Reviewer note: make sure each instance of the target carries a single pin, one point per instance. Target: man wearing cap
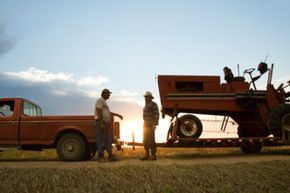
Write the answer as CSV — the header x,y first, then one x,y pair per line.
x,y
103,117
151,118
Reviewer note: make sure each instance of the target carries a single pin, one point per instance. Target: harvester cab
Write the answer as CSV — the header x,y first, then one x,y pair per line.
x,y
262,68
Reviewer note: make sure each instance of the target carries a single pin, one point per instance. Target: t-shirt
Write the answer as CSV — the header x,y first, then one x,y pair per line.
x,y
102,104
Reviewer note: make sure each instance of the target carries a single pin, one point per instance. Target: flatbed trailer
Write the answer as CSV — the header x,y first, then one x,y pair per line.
x,y
247,145
219,142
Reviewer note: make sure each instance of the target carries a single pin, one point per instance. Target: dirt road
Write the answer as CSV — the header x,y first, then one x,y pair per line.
x,y
165,160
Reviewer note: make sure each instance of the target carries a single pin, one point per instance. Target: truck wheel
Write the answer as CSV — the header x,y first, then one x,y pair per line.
x,y
71,147
189,126
277,116
246,148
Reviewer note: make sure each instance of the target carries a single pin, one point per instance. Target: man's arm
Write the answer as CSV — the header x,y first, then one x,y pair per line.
x,y
117,115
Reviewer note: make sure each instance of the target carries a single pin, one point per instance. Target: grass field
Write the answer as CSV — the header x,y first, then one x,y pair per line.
x,y
38,172
129,153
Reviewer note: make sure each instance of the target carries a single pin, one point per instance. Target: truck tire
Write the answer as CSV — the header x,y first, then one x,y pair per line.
x,y
71,147
189,126
276,117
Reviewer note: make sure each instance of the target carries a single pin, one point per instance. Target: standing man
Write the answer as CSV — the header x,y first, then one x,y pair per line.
x,y
151,118
104,125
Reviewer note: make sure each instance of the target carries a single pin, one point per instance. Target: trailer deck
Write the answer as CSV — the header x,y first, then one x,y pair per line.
x,y
219,142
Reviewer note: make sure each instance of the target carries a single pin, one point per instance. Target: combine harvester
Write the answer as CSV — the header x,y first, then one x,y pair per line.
x,y
263,116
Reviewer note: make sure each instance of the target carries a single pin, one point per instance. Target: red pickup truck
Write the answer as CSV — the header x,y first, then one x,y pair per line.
x,y
22,126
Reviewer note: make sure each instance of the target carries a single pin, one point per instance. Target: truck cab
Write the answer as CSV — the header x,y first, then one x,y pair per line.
x,y
11,116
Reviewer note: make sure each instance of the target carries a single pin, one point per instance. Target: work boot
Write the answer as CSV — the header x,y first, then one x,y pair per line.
x,y
101,159
113,158
153,157
145,157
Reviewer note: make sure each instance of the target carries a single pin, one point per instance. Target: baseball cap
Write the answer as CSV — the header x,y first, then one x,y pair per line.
x,y
106,91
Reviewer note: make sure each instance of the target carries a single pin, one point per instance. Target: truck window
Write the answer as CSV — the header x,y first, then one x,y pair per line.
x,y
6,108
30,109
188,86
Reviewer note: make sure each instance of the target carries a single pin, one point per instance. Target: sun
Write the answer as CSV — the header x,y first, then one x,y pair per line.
x,y
132,127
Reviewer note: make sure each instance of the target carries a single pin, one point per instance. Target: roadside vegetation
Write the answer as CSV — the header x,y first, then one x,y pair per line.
x,y
33,172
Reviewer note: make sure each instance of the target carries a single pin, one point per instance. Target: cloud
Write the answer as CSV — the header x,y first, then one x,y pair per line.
x,y
65,83
126,96
36,75
5,43
5,46
92,81
62,93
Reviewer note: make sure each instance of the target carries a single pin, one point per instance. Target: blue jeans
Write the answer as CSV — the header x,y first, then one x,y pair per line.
x,y
149,137
104,139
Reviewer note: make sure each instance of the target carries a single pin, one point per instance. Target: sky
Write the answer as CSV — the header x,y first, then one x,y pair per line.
x,y
61,54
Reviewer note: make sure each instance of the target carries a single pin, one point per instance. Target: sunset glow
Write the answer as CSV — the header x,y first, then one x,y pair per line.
x,y
211,129
136,126
130,126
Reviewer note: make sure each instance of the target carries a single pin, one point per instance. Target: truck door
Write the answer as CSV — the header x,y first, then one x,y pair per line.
x,y
9,123
30,125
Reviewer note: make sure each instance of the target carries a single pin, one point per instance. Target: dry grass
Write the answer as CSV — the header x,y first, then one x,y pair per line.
x,y
148,177
129,153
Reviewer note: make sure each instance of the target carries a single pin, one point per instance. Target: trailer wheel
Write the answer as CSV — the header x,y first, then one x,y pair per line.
x,y
71,147
277,116
253,148
189,126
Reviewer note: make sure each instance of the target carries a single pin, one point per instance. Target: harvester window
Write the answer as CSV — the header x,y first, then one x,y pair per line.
x,y
186,86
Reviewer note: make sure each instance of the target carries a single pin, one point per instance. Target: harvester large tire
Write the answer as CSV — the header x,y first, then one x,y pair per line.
x,y
276,117
251,148
248,131
243,132
189,126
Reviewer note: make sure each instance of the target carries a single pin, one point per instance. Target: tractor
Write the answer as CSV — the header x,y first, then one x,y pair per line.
x,y
258,113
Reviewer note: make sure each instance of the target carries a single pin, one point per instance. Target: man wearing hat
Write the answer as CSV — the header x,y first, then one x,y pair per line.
x,y
103,117
151,118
